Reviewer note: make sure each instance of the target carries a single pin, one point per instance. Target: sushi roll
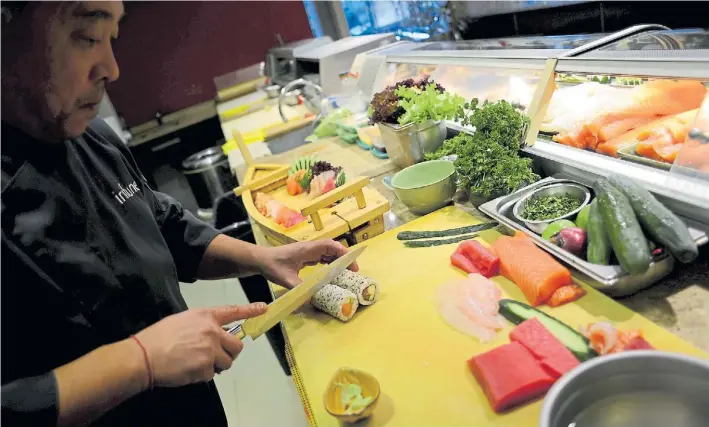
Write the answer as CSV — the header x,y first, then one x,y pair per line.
x,y
336,302
364,287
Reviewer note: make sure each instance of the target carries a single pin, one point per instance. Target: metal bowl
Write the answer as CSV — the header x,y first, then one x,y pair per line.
x,y
425,187
638,388
538,227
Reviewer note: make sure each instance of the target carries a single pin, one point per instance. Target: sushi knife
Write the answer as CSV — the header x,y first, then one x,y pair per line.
x,y
295,298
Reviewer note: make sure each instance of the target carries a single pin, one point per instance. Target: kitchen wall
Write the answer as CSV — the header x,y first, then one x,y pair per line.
x,y
170,52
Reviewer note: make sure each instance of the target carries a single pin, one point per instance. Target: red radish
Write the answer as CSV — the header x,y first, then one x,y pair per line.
x,y
460,261
572,239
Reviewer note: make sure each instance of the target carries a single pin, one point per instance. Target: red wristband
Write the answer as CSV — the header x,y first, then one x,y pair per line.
x,y
147,361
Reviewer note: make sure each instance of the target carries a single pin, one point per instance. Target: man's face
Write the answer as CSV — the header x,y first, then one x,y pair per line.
x,y
70,60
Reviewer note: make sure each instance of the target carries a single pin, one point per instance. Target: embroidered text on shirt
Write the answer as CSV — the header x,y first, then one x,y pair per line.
x,y
126,193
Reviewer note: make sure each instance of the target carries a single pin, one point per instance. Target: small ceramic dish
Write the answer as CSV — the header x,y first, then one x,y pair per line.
x,y
333,394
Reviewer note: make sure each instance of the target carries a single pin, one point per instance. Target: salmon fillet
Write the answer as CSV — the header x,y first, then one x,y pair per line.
x,y
674,126
694,155
536,273
667,152
642,104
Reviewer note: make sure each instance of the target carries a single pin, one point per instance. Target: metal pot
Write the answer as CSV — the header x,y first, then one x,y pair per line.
x,y
209,176
425,187
408,145
636,388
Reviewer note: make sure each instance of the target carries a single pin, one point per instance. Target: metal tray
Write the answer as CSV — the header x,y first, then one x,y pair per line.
x,y
610,279
628,153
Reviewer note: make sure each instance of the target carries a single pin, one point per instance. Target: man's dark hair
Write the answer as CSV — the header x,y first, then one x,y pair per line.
x,y
12,8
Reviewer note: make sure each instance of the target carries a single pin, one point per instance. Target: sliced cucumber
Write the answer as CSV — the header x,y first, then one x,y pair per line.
x,y
305,162
517,312
341,179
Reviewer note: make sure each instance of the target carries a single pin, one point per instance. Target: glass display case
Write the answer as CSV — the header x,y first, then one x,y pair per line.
x,y
541,42
570,83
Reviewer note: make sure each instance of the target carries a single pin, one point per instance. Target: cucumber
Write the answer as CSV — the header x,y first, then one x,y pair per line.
x,y
437,242
517,312
412,235
663,226
340,180
302,163
599,247
627,239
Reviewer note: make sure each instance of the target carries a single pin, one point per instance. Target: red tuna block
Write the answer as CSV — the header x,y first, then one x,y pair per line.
x,y
460,261
551,353
484,260
509,375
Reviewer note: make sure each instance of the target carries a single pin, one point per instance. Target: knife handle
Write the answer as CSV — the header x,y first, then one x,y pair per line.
x,y
237,332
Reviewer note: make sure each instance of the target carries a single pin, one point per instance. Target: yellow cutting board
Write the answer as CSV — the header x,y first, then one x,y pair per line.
x,y
419,360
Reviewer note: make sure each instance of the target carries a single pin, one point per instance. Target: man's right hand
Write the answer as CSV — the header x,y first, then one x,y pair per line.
x,y
188,347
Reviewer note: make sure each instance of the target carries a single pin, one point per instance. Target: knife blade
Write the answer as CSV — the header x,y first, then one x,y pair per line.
x,y
295,298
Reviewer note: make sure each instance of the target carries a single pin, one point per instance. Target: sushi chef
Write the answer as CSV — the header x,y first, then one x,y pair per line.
x,y
94,329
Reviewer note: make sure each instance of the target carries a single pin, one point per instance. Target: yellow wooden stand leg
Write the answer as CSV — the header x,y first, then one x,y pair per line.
x,y
317,221
361,201
245,153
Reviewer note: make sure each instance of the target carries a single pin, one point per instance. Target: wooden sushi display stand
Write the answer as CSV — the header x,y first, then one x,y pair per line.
x,y
350,214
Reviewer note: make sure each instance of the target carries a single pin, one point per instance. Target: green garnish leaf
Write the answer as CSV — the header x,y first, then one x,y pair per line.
x,y
421,106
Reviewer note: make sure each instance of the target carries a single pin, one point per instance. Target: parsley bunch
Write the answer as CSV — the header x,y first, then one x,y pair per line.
x,y
488,162
499,121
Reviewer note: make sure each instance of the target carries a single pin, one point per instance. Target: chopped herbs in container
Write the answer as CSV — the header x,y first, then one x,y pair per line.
x,y
549,207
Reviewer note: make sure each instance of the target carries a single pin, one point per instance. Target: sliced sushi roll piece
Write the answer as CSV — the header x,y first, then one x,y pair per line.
x,y
336,302
364,287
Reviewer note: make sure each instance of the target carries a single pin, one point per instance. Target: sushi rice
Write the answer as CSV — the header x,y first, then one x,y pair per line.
x,y
336,301
364,287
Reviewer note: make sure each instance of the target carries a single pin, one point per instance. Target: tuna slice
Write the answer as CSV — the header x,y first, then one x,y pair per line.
x,y
554,357
509,375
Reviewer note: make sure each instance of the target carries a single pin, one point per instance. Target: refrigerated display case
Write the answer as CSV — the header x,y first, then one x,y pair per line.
x,y
522,70
560,82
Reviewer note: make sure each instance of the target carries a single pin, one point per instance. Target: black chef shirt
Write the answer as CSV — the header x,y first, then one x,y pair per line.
x,y
90,255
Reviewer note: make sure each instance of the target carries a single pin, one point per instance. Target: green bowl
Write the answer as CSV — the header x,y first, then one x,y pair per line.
x,y
425,187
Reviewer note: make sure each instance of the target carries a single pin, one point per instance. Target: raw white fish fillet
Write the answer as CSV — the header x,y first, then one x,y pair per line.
x,y
570,106
318,186
471,306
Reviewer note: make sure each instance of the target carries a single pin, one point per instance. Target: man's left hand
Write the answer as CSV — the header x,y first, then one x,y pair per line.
x,y
282,264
